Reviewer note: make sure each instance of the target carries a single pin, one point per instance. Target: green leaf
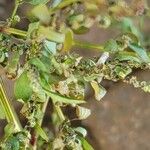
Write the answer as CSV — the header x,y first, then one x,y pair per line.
x,y
51,35
59,98
111,46
128,26
39,64
41,12
99,90
122,72
140,51
22,89
85,144
128,56
37,2
41,132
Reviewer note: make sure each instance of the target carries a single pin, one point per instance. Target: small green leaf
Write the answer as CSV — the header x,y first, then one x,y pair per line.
x,y
58,98
22,89
39,64
41,132
85,144
111,46
41,12
122,72
128,56
99,90
140,51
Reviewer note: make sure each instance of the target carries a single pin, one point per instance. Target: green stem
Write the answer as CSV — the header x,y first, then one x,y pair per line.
x,y
62,5
87,45
17,3
40,122
15,31
44,110
59,112
10,113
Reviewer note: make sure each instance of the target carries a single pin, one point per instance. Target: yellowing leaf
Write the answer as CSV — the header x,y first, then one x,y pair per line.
x,y
68,40
99,90
42,13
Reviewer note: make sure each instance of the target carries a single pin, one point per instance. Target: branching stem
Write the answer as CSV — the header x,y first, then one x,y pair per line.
x,y
87,45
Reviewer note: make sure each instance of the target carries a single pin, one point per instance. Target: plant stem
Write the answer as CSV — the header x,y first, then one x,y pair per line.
x,y
10,113
17,3
87,45
40,122
44,110
59,112
15,31
62,5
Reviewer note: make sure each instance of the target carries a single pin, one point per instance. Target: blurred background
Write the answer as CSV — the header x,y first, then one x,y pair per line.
x,y
121,120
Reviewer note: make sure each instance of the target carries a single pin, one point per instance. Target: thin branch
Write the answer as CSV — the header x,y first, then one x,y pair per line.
x,y
10,113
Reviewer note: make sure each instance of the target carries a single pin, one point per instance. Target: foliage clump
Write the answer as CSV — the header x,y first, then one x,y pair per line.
x,y
45,69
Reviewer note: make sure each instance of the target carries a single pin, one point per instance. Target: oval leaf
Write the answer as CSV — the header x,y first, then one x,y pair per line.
x,y
22,89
